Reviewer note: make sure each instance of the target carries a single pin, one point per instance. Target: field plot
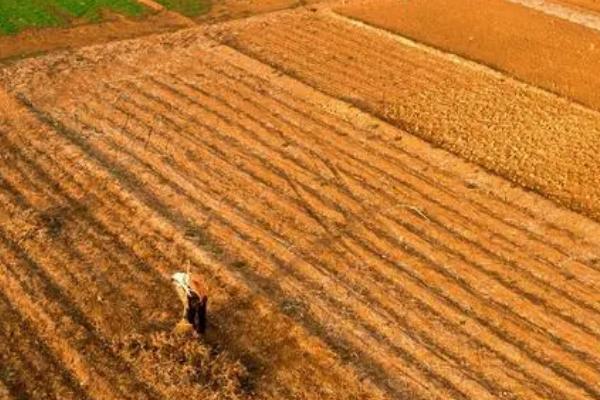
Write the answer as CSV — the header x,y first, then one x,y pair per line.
x,y
41,27
513,129
47,27
540,49
36,42
347,258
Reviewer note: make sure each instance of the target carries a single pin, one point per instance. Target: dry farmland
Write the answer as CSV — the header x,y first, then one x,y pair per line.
x,y
593,5
374,218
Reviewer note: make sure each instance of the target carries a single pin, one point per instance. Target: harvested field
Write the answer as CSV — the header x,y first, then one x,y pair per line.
x,y
540,49
522,133
346,258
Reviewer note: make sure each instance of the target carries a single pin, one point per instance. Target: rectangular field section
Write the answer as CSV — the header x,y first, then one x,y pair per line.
x,y
543,50
518,131
343,254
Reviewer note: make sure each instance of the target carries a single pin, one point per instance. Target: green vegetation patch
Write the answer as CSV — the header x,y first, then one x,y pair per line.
x,y
189,8
17,15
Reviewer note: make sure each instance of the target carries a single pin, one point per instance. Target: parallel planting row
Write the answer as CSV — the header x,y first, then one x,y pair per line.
x,y
87,242
86,306
513,129
390,267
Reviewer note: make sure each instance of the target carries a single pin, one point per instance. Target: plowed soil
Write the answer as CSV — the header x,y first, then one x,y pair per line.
x,y
35,42
540,49
532,137
345,257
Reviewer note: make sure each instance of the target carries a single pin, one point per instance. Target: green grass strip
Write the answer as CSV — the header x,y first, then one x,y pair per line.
x,y
17,15
189,8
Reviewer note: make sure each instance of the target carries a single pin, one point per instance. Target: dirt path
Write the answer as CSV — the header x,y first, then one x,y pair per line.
x,y
347,258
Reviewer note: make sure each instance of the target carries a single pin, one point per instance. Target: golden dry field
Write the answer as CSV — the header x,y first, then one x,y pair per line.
x,y
380,206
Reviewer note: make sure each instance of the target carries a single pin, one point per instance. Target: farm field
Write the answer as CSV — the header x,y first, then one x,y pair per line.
x,y
359,206
32,28
539,49
514,129
32,43
101,21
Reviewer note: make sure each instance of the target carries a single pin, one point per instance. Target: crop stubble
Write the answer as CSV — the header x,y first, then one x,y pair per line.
x,y
510,128
368,255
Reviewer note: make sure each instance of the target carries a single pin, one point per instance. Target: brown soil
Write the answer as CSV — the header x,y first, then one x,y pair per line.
x,y
532,137
223,10
543,50
233,9
346,258
35,42
592,5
